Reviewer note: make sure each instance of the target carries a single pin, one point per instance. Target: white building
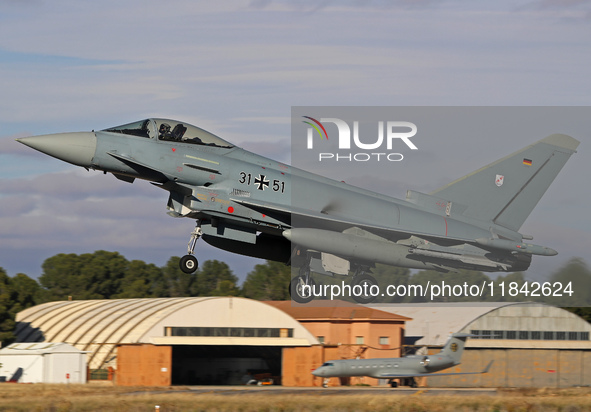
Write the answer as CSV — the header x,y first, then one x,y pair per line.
x,y
43,362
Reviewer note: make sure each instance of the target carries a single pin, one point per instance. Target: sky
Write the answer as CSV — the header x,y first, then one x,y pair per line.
x,y
236,68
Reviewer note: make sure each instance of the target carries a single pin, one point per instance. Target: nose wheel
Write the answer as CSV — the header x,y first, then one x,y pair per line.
x,y
189,262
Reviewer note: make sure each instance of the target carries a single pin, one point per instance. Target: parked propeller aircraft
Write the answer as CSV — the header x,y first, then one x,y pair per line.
x,y
242,203
407,368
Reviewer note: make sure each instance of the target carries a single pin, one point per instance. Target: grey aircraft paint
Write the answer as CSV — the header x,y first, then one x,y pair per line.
x,y
406,367
243,203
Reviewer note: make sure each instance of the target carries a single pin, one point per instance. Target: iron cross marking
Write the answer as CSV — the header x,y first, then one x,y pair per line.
x,y
262,182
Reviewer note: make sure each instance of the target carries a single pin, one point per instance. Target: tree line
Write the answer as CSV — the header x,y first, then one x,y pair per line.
x,y
109,275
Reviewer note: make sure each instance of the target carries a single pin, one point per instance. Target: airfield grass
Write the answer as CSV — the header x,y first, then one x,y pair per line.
x,y
57,398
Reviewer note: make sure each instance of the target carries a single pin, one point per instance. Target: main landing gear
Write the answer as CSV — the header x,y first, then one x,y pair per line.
x,y
302,286
303,289
411,382
363,286
189,263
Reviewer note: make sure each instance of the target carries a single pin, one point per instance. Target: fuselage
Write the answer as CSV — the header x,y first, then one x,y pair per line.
x,y
222,175
238,195
384,367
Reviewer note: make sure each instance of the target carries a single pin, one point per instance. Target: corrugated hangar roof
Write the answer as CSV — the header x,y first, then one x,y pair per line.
x,y
98,326
335,310
38,348
433,322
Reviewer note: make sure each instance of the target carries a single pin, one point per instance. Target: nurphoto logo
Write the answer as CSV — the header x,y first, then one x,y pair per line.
x,y
380,148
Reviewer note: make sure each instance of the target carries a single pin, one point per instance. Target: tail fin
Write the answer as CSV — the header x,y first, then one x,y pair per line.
x,y
507,190
454,347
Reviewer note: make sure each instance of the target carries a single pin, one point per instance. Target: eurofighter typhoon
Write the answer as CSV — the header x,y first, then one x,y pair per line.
x,y
241,202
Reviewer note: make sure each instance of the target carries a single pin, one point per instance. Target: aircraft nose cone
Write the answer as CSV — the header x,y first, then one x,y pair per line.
x,y
316,372
76,148
550,252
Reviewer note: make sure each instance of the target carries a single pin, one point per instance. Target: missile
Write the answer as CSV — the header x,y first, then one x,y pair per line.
x,y
514,246
372,250
352,246
468,259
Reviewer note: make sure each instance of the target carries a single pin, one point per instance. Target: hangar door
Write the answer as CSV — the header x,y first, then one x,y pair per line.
x,y
224,364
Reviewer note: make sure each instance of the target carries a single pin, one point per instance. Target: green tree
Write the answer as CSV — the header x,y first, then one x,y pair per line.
x,y
26,292
226,288
106,275
102,273
174,282
390,276
139,280
95,275
16,294
60,276
269,281
211,277
576,277
7,301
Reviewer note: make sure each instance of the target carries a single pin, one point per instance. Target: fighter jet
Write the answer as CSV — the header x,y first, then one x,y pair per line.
x,y
242,202
407,368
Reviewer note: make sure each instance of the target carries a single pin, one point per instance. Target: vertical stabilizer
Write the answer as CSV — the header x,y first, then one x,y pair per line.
x,y
454,347
507,190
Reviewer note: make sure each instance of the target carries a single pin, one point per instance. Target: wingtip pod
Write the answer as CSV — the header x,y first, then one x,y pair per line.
x,y
562,140
512,246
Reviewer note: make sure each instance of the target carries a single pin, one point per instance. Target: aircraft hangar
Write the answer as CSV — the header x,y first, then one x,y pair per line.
x,y
192,340
216,340
212,340
531,344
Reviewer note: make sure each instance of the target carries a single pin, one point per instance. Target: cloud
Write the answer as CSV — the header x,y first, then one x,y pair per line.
x,y
80,212
72,203
236,68
92,63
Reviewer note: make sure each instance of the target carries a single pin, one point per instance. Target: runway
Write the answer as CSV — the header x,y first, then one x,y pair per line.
x,y
336,391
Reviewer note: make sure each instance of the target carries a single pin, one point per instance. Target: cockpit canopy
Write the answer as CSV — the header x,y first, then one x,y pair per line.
x,y
170,130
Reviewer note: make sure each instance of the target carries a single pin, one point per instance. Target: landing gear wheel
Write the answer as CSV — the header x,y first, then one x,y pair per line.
x,y
393,384
365,282
188,264
297,290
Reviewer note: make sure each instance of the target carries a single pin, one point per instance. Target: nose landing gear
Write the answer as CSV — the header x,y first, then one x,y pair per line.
x,y
189,262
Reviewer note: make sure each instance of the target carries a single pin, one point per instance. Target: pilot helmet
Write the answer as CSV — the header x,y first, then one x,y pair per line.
x,y
164,130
